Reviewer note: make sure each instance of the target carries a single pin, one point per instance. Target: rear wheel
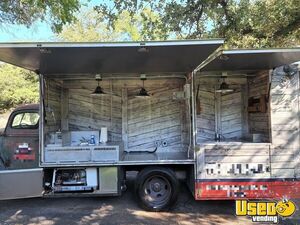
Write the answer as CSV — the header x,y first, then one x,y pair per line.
x,y
156,188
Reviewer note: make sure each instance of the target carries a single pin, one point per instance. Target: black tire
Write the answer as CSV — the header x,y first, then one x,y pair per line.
x,y
156,188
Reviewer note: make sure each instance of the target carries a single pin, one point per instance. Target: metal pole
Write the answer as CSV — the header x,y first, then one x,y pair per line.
x,y
42,119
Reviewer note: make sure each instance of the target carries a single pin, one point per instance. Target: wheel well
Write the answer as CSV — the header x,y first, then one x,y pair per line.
x,y
181,171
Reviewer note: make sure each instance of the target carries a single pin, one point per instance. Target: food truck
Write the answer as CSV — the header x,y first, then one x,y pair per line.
x,y
224,121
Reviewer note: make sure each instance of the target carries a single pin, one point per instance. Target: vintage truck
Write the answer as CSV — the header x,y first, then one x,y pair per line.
x,y
224,121
19,141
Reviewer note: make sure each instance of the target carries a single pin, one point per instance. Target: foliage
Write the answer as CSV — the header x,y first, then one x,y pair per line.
x,y
27,11
17,86
243,23
141,26
90,26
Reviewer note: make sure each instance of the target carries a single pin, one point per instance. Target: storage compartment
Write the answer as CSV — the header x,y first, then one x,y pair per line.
x,y
102,180
74,180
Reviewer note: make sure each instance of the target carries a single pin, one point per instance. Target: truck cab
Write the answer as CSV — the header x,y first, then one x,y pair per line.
x,y
20,175
19,140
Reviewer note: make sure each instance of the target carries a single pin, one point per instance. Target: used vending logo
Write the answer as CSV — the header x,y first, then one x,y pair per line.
x,y
265,211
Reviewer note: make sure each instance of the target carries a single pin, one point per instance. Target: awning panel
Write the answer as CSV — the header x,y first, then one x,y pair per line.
x,y
252,60
86,58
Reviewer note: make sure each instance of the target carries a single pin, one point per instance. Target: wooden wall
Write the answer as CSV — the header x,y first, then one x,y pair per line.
x,y
231,111
285,152
142,124
206,117
233,160
158,120
52,105
87,112
259,122
222,113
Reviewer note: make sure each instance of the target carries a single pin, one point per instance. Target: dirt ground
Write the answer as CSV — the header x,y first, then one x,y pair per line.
x,y
120,210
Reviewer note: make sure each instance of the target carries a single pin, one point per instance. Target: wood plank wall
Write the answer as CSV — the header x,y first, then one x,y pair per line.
x,y
232,116
158,120
220,113
142,124
87,112
233,160
52,105
206,118
259,122
285,152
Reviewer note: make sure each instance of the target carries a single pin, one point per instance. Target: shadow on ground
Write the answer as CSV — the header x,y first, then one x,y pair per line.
x,y
117,210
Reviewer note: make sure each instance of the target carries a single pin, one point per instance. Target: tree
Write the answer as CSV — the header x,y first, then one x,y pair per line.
x,y
90,26
243,23
27,11
17,86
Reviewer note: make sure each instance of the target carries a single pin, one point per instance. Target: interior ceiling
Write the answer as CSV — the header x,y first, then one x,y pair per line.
x,y
251,60
92,58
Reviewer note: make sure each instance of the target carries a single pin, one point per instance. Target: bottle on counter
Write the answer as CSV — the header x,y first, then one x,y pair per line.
x,y
92,140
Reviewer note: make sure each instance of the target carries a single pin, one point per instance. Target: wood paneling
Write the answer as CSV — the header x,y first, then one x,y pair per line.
x,y
206,118
259,122
233,160
52,103
141,124
231,124
220,113
87,112
284,104
158,120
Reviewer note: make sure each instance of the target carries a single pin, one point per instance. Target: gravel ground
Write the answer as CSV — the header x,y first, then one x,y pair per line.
x,y
121,210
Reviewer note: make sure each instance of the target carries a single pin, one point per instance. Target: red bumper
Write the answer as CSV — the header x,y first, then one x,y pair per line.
x,y
247,189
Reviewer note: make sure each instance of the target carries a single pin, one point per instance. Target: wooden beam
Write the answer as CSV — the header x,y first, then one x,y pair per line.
x,y
124,118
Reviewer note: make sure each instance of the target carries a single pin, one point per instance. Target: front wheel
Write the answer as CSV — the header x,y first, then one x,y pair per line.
x,y
156,188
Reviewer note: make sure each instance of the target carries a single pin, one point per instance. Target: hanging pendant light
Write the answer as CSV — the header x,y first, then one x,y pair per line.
x,y
224,88
98,90
143,92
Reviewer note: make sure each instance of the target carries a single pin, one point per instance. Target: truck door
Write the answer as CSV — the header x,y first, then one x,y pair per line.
x,y
19,173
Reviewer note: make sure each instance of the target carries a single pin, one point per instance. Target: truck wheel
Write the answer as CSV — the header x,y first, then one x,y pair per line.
x,y
156,188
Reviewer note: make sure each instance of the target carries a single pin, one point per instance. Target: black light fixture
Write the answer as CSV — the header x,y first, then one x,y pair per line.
x,y
98,90
290,70
143,92
224,88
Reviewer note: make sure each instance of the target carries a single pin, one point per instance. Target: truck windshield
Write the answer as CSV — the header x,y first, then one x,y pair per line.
x,y
25,120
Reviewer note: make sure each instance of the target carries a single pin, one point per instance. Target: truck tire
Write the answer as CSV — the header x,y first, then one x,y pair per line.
x,y
156,188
